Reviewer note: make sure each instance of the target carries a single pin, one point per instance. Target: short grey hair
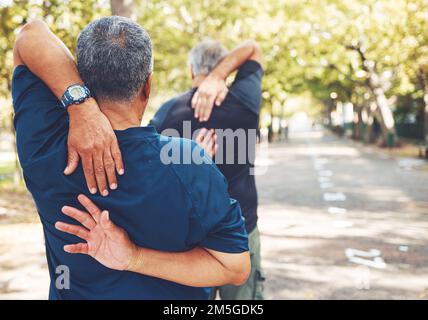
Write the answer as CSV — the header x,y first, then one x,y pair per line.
x,y
114,58
205,56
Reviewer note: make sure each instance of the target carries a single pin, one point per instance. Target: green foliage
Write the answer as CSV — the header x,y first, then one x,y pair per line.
x,y
305,43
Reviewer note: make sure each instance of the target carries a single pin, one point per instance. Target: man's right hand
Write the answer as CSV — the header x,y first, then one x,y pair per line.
x,y
213,90
91,138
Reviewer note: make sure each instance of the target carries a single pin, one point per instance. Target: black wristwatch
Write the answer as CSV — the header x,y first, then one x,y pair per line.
x,y
75,94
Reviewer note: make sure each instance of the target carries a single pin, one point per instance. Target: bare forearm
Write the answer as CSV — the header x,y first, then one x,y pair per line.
x,y
244,52
196,268
46,56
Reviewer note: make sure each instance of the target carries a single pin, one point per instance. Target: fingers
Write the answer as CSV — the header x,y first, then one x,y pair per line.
x,y
100,176
215,149
201,135
117,157
100,164
195,99
207,107
72,161
203,104
212,143
198,105
73,229
207,139
88,170
93,210
77,248
215,145
221,96
84,218
110,170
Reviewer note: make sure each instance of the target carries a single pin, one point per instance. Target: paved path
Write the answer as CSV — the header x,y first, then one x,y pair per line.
x,y
343,221
319,197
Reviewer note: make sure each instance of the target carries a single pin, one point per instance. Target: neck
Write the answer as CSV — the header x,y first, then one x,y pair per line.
x,y
197,80
121,115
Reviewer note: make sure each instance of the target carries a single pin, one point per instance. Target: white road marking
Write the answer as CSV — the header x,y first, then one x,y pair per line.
x,y
361,257
326,185
336,210
334,196
321,161
342,224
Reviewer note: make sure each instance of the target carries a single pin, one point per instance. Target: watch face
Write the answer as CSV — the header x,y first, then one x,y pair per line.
x,y
77,92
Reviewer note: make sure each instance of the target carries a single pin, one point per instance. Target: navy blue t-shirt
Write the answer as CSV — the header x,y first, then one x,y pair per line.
x,y
239,112
170,207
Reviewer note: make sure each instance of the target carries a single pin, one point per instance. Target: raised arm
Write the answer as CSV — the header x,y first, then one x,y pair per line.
x,y
91,137
213,89
111,246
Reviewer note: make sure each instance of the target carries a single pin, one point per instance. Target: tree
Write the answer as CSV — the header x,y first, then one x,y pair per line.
x,y
125,8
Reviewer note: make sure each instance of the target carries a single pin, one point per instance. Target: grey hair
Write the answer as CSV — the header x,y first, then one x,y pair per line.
x,y
205,56
114,58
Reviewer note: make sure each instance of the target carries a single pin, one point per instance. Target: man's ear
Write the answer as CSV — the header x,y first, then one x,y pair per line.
x,y
145,93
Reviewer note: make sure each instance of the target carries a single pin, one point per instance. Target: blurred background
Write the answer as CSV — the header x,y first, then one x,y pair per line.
x,y
343,175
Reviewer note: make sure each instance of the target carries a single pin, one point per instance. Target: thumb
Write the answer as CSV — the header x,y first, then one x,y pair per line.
x,y
72,161
106,224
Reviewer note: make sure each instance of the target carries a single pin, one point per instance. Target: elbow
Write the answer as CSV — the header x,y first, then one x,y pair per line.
x,y
239,273
256,54
254,45
33,27
31,32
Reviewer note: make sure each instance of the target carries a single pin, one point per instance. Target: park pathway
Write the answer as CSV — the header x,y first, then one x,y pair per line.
x,y
340,220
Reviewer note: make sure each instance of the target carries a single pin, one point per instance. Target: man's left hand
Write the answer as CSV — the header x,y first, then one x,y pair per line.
x,y
105,242
207,139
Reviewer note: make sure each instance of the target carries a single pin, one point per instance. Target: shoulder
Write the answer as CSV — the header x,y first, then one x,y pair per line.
x,y
249,68
161,115
246,87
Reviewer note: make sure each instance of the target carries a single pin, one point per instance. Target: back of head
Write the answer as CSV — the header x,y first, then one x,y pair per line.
x,y
205,56
114,58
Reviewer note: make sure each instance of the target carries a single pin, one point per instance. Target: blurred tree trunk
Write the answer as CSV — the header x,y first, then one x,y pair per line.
x,y
426,114
423,79
374,84
357,128
426,118
371,111
124,8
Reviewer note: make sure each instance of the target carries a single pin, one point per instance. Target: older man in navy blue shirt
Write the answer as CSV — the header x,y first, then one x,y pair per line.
x,y
235,118
171,230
